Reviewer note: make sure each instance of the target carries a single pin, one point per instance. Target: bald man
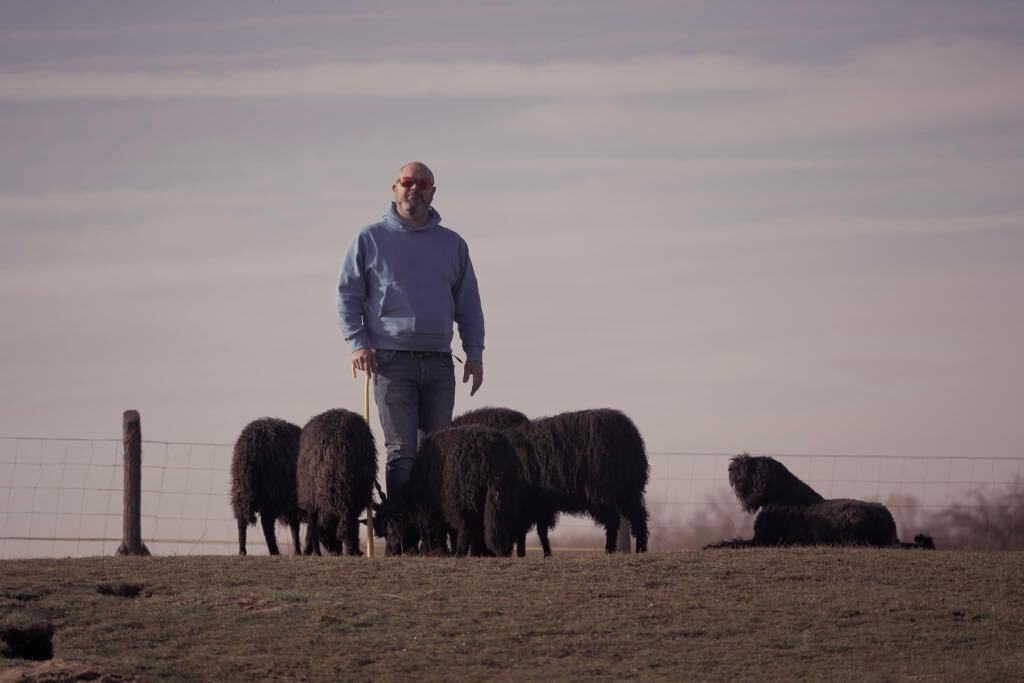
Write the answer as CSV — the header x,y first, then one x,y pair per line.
x,y
404,282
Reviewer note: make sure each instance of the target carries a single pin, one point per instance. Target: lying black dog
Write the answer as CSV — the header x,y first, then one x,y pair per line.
x,y
792,513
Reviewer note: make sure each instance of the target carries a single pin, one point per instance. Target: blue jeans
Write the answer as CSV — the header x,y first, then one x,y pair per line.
x,y
415,393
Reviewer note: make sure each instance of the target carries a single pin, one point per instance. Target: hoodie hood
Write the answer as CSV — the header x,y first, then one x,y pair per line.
x,y
395,222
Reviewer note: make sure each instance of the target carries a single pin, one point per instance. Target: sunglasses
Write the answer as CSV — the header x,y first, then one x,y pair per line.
x,y
422,183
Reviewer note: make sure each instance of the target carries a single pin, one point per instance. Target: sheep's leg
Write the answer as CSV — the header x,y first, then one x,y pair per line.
x,y
463,544
267,520
435,538
348,533
473,531
242,525
435,544
312,535
636,513
296,543
480,549
434,534
521,544
610,519
542,534
545,522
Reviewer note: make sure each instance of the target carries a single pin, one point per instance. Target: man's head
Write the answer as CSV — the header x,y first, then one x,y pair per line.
x,y
414,191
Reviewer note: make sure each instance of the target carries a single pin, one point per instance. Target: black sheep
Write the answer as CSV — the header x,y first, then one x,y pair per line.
x,y
464,483
263,480
336,472
792,513
534,508
589,461
496,418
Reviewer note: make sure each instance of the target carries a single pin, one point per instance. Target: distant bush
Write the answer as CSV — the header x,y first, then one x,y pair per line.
x,y
985,522
719,517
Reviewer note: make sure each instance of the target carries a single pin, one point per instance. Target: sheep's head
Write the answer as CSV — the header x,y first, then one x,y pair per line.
x,y
328,533
395,526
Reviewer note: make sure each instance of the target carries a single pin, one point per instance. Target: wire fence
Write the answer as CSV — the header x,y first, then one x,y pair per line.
x,y
64,497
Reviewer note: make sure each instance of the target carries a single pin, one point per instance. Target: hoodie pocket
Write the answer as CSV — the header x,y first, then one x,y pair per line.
x,y
406,312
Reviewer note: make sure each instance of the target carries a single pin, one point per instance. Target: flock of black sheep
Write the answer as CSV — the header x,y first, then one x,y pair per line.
x,y
479,486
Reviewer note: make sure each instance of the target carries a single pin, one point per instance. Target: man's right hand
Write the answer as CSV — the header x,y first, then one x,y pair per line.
x,y
363,359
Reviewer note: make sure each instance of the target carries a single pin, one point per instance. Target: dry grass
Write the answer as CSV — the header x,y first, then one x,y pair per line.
x,y
820,614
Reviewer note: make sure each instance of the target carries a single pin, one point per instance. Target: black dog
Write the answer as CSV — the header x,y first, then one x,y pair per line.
x,y
792,513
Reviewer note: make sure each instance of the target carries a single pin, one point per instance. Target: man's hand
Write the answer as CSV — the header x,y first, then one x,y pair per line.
x,y
476,370
363,359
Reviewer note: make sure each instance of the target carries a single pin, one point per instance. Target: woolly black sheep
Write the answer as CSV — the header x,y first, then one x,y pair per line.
x,y
534,508
263,480
336,471
497,418
588,461
465,481
792,513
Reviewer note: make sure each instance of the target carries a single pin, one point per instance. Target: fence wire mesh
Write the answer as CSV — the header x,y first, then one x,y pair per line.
x,y
64,497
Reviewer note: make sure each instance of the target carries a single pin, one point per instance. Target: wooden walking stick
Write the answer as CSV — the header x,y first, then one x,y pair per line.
x,y
369,508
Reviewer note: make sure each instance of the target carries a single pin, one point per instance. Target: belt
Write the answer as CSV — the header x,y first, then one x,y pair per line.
x,y
424,354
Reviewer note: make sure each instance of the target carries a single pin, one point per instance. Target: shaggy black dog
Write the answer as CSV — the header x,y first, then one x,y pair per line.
x,y
336,471
792,513
585,462
263,480
465,484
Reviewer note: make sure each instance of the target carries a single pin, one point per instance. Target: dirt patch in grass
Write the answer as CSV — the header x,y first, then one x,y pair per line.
x,y
57,671
756,614
31,641
121,590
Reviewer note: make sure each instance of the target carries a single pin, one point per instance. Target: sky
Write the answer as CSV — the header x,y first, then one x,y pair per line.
x,y
793,227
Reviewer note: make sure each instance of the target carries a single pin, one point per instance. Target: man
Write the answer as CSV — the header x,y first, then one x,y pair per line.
x,y
404,281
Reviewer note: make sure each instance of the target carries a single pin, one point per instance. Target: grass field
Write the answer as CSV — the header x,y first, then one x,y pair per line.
x,y
779,614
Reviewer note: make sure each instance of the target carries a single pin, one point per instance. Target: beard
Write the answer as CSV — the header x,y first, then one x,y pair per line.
x,y
415,202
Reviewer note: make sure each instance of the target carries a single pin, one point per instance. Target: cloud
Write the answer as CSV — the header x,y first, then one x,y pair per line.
x,y
892,70
267,22
649,102
177,200
920,86
501,80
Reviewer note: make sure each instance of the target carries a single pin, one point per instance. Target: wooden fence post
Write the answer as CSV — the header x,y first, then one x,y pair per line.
x,y
622,543
132,539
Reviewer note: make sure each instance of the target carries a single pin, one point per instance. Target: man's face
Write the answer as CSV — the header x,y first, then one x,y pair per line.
x,y
413,190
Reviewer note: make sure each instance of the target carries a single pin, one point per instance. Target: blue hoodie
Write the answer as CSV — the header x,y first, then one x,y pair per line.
x,y
401,287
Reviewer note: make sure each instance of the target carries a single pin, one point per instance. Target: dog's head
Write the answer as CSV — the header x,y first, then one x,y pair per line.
x,y
748,479
759,481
